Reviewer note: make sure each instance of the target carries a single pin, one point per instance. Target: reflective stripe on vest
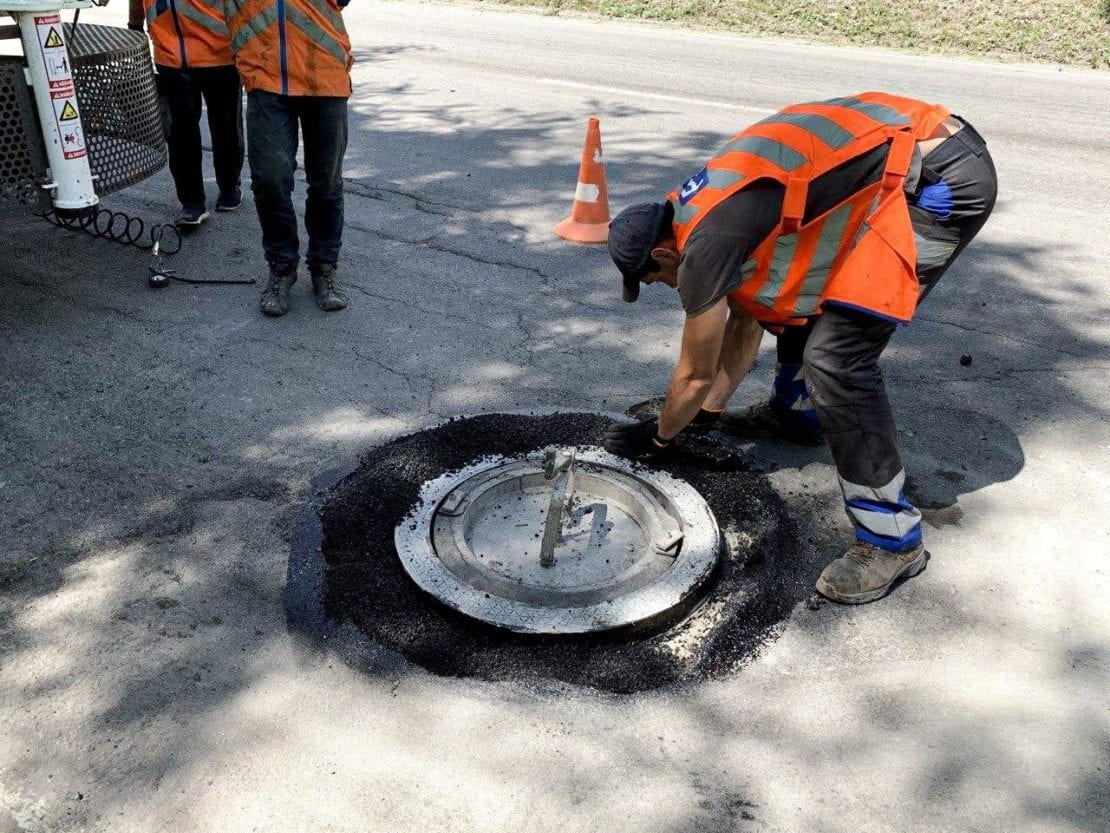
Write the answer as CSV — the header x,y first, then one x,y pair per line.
x,y
290,47
217,27
316,33
799,265
188,33
253,27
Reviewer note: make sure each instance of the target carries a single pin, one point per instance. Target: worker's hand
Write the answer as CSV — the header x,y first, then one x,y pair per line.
x,y
136,26
636,440
704,421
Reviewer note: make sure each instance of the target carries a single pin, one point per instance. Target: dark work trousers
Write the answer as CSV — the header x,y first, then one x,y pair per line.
x,y
221,91
840,350
272,130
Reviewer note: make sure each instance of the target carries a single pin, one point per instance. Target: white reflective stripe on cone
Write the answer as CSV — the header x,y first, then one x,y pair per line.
x,y
585,192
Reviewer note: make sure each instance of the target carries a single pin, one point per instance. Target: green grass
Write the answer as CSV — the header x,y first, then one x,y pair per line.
x,y
1075,32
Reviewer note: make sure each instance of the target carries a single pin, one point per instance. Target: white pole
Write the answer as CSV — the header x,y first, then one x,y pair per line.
x,y
56,100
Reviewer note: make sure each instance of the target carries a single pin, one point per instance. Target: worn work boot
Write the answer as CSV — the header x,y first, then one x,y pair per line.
x,y
325,286
275,296
761,421
865,573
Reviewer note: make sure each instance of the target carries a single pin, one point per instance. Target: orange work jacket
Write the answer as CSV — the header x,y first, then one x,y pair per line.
x,y
188,33
290,47
861,253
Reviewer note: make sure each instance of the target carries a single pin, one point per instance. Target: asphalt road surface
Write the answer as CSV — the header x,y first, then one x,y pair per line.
x,y
157,448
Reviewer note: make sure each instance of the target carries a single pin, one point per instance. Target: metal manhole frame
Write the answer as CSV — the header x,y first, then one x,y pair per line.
x,y
691,570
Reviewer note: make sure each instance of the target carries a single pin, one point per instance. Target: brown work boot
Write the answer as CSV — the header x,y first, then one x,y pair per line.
x,y
762,421
866,573
275,296
325,286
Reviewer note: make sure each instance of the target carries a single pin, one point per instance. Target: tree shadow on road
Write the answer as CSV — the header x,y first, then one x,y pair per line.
x,y
155,465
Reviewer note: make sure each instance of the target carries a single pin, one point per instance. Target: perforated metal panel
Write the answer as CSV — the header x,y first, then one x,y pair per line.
x,y
119,104
22,158
120,113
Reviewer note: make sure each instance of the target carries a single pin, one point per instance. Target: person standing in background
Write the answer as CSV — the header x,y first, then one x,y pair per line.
x,y
294,57
192,53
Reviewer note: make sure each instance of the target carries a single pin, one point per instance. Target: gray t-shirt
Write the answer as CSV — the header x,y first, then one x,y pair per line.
x,y
717,249
710,265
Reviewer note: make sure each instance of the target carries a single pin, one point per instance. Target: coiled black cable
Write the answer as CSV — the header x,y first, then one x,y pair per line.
x,y
121,227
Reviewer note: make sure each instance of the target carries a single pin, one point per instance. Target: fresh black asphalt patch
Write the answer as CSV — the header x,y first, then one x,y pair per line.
x,y
345,577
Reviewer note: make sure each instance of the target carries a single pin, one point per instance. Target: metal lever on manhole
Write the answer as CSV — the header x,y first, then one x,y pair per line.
x,y
558,465
667,543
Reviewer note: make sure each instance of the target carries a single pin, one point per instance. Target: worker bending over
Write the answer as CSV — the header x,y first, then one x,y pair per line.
x,y
826,223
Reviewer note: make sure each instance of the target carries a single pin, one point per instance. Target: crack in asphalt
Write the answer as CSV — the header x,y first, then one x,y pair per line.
x,y
429,393
1006,336
430,243
998,376
374,192
408,377
521,344
409,304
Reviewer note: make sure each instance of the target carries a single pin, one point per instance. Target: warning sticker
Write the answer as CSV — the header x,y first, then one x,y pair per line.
x,y
69,123
53,48
57,66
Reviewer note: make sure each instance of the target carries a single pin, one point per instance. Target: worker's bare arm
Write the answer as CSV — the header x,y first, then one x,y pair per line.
x,y
741,343
702,339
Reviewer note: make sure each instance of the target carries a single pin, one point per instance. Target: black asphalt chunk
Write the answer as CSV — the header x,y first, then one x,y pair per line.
x,y
354,581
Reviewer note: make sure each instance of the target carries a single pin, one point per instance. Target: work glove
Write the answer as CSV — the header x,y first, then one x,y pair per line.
x,y
704,422
636,440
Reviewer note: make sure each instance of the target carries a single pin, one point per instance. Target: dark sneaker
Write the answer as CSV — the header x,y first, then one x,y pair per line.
x,y
229,200
761,421
275,296
325,286
866,573
191,216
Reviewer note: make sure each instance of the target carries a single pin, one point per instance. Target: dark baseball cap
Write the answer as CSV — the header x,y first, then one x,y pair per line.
x,y
632,235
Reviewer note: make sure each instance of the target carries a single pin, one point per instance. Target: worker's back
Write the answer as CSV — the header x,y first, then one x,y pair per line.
x,y
291,47
821,231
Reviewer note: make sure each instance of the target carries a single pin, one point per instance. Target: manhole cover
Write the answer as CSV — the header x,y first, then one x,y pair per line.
x,y
349,591
560,541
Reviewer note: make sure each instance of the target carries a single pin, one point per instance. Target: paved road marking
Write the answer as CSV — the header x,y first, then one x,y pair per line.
x,y
678,99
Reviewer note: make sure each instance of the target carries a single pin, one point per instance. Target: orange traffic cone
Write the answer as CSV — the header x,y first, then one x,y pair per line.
x,y
589,215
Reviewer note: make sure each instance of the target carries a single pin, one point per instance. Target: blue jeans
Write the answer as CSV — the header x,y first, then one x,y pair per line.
x,y
272,128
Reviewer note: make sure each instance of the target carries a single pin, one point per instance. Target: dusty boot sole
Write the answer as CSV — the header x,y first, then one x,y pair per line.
x,y
909,571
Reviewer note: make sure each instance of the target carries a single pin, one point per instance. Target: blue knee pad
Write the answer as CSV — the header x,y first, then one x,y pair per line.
x,y
790,400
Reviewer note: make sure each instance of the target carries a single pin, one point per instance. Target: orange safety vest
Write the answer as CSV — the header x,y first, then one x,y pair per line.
x,y
860,253
291,47
188,33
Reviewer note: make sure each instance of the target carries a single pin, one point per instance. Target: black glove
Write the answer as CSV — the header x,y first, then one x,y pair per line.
x,y
135,27
704,421
636,440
